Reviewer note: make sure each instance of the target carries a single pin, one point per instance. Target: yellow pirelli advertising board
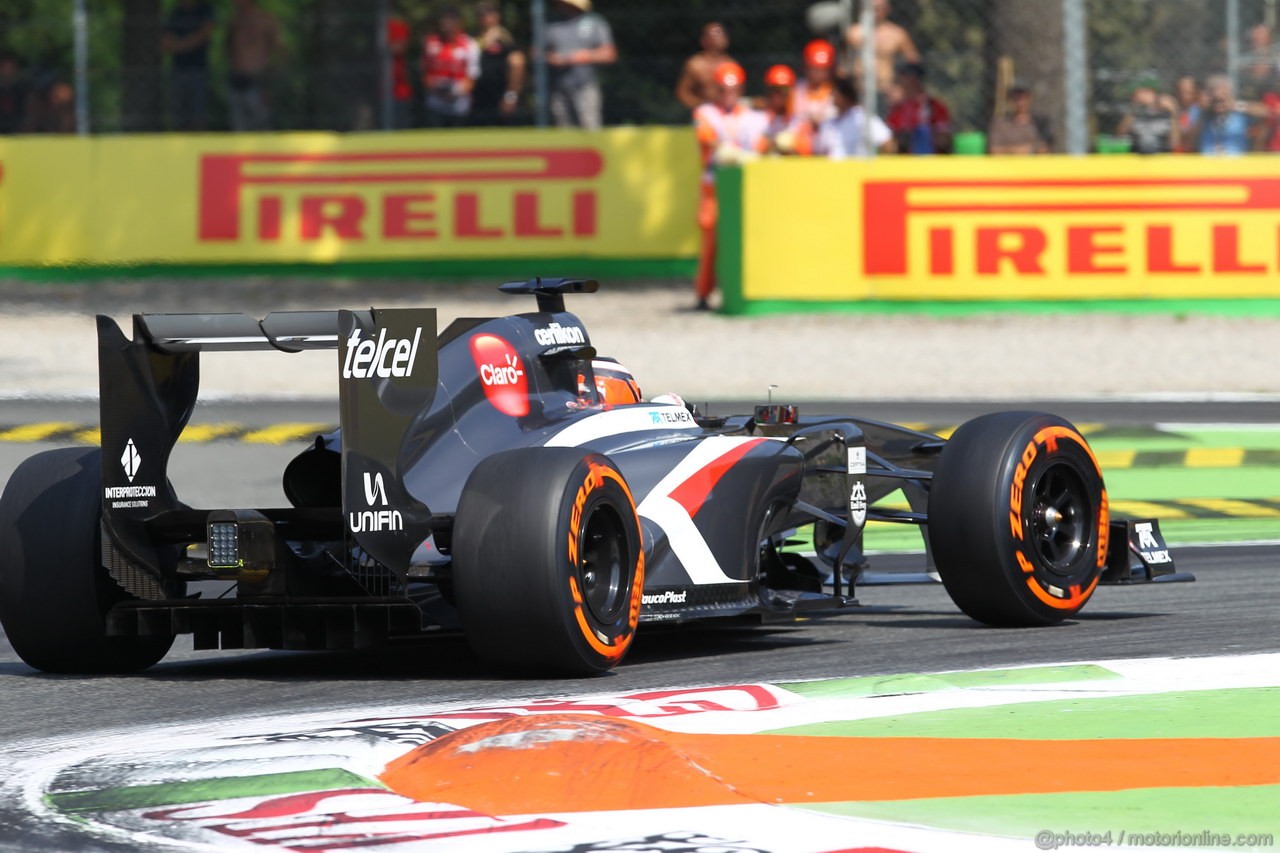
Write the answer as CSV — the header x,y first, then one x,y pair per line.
x,y
623,194
965,229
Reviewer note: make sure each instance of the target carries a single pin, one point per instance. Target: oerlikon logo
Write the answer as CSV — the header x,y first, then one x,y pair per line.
x,y
356,197
502,374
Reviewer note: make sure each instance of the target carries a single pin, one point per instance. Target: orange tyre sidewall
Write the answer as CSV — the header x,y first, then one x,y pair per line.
x,y
1049,445
601,481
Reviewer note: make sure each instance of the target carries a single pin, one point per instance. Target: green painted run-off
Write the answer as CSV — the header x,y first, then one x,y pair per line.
x,y
206,790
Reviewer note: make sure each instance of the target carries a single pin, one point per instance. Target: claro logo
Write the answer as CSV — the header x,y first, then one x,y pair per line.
x,y
1087,226
502,374
522,194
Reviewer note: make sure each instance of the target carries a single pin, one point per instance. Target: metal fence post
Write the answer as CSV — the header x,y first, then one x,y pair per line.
x,y
1233,44
80,34
538,18
867,21
385,85
1076,59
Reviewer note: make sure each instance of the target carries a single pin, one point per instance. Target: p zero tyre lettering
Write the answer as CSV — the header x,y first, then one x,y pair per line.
x,y
610,647
1073,597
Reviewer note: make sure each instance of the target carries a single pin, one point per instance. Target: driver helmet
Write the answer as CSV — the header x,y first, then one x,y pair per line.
x,y
615,384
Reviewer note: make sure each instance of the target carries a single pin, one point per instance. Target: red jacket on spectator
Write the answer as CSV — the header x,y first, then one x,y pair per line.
x,y
447,63
398,42
920,124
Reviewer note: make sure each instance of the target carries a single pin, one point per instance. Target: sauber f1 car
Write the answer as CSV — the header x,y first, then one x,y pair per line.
x,y
504,480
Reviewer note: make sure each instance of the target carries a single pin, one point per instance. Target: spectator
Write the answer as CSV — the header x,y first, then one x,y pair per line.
x,y
785,132
814,99
892,44
450,66
920,122
401,88
253,44
728,132
1019,131
186,39
1190,105
1269,126
1224,125
14,93
502,67
697,81
51,107
1151,121
577,41
845,135
1260,66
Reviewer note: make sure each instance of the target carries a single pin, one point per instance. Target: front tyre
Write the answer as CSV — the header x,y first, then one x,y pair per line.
x,y
1018,519
54,592
548,566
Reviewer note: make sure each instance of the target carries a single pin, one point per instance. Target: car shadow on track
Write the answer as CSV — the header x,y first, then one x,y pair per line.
x,y
449,659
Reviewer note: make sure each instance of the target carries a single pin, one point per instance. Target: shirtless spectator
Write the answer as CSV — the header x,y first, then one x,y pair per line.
x,y
1020,131
893,45
697,81
253,43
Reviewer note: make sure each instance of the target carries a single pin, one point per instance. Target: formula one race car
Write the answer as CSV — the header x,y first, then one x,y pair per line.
x,y
504,480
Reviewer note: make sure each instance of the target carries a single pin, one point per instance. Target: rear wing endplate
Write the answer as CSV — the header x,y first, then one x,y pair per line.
x,y
388,372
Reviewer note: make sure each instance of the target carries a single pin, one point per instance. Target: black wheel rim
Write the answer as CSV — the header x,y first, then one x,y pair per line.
x,y
604,560
1061,519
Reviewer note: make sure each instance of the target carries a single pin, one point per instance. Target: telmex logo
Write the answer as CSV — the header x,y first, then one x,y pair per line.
x,y
1118,227
406,195
502,374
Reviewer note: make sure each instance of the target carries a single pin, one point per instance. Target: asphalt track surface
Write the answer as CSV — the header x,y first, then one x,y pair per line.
x,y
1230,610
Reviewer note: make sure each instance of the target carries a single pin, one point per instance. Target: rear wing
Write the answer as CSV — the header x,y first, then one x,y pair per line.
x,y
387,372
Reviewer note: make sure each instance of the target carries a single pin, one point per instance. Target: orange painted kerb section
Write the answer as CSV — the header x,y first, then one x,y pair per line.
x,y
569,763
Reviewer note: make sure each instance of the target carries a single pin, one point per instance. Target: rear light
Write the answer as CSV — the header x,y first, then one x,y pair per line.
x,y
224,545
243,540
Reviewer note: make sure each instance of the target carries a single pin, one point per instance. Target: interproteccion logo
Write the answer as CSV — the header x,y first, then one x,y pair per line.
x,y
130,460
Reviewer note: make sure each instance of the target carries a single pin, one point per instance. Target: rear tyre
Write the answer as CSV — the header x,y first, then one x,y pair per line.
x,y
1018,519
54,592
548,567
